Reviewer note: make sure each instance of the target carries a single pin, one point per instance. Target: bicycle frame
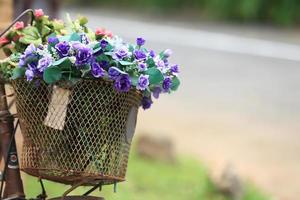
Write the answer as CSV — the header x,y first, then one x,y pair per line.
x,y
13,183
13,188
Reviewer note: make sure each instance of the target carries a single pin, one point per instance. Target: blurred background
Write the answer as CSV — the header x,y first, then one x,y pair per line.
x,y
232,129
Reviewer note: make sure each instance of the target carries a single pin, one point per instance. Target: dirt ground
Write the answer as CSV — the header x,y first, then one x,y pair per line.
x,y
259,153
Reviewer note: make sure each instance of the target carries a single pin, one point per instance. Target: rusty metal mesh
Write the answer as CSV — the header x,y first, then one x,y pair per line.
x,y
84,137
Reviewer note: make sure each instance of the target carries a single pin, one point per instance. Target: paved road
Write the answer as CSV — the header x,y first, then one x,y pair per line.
x,y
239,101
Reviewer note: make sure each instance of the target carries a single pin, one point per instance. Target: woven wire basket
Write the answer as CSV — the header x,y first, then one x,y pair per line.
x,y
79,134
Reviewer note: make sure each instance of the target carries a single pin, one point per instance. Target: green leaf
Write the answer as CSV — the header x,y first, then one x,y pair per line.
x,y
18,72
31,31
64,38
75,37
31,36
134,80
27,40
175,83
131,48
63,63
69,38
7,51
57,25
150,62
85,70
108,53
155,76
122,62
96,50
90,34
45,30
52,74
147,93
102,58
109,47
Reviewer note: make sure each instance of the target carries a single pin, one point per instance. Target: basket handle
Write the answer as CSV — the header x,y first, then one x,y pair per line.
x,y
28,11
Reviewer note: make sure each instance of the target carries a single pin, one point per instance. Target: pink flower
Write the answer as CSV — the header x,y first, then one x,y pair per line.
x,y
100,31
3,40
38,13
19,25
109,34
103,32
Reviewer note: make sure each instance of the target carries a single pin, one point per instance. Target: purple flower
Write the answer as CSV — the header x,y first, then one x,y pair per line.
x,y
142,67
159,63
166,62
77,45
146,103
140,41
174,70
84,39
114,73
156,92
83,55
121,53
32,66
53,40
62,48
22,60
103,44
31,49
140,55
166,85
97,71
152,53
29,74
167,53
143,82
29,54
123,83
44,63
104,64
41,47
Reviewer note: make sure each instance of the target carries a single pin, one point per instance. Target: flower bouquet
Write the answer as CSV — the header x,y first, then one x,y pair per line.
x,y
78,93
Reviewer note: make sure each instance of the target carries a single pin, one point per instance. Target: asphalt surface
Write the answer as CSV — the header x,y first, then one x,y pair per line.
x,y
239,101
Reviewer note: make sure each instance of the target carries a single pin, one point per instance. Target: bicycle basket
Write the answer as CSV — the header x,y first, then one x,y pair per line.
x,y
76,134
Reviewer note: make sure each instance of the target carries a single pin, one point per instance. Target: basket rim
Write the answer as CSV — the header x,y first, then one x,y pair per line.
x,y
89,177
66,83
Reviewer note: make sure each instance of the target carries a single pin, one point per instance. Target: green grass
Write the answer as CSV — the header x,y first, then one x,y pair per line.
x,y
153,180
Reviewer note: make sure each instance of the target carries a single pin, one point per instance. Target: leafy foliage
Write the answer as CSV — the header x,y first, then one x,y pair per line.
x,y
56,51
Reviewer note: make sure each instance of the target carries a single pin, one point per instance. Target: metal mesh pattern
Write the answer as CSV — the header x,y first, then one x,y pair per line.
x,y
76,134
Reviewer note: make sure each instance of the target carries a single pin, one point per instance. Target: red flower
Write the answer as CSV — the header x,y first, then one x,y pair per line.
x,y
16,38
103,32
3,40
19,25
38,13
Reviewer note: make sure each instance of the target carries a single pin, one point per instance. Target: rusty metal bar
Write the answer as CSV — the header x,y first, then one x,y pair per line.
x,y
13,182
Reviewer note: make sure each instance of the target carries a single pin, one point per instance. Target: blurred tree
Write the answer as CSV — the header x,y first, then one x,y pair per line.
x,y
281,12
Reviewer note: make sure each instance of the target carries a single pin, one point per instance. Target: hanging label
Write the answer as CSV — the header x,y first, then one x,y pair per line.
x,y
57,108
131,123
